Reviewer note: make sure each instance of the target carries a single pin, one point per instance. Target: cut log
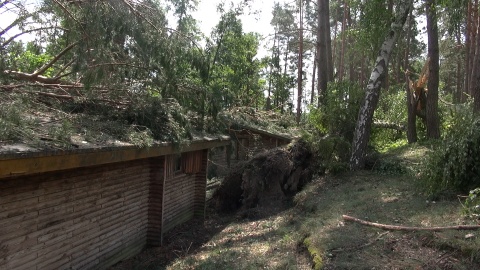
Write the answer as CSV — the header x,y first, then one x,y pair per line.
x,y
406,228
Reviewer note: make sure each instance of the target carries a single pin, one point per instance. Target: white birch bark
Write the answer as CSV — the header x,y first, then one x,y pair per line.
x,y
372,93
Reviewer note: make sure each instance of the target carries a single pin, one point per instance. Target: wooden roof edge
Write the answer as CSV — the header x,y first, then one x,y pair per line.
x,y
38,162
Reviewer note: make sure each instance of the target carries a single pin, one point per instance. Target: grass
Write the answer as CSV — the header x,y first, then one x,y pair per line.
x,y
310,232
389,200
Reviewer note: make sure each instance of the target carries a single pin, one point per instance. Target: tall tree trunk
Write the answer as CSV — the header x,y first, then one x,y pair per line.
x,y
352,76
341,69
300,63
269,99
433,123
328,39
411,116
372,93
467,51
459,88
313,78
473,41
335,49
322,51
476,80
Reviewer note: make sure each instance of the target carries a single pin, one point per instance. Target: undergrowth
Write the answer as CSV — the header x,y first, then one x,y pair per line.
x,y
453,165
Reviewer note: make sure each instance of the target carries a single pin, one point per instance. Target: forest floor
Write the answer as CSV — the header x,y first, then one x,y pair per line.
x,y
309,232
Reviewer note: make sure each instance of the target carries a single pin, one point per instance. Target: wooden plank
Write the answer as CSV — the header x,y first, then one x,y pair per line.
x,y
62,160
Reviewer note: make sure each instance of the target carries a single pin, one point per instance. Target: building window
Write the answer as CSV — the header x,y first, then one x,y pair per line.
x,y
178,164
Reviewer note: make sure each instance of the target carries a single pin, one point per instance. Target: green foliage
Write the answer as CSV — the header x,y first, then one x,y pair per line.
x,y
389,166
60,133
454,165
471,206
14,126
391,109
336,119
234,77
165,120
374,21
338,115
29,61
331,153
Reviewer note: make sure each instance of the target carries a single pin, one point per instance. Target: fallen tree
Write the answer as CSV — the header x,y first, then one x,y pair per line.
x,y
269,176
394,126
407,228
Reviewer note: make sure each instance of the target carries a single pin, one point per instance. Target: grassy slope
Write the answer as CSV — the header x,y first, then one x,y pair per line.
x,y
311,230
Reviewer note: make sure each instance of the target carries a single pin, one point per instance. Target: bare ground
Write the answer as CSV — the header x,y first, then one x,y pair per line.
x,y
308,231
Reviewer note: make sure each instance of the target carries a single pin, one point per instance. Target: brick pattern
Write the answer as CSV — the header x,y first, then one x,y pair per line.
x,y
93,217
80,219
201,186
184,195
155,202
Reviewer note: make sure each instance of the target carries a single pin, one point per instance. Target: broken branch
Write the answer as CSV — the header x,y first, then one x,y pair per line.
x,y
54,60
406,228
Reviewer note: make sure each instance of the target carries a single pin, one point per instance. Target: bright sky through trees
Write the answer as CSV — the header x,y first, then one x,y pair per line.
x,y
256,19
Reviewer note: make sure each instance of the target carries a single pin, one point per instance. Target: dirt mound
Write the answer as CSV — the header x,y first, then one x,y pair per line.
x,y
271,175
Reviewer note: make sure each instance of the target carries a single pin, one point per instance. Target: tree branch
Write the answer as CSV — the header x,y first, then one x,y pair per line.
x,y
405,228
28,31
4,3
33,78
54,60
139,14
14,23
70,15
59,73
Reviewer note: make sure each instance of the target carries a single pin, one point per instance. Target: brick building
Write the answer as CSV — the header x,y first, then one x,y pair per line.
x,y
91,208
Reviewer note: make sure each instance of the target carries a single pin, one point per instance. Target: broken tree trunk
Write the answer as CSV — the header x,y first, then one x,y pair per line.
x,y
406,228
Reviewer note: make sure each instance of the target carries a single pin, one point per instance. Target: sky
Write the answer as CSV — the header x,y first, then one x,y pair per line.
x,y
208,17
255,20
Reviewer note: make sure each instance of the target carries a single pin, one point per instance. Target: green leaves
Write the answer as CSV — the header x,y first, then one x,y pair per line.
x,y
455,164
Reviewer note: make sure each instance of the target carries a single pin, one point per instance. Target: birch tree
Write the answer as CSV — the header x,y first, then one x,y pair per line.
x,y
372,91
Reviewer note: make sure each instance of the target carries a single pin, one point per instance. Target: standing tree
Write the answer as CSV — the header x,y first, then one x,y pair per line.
x,y
433,123
282,75
322,53
365,115
411,117
300,63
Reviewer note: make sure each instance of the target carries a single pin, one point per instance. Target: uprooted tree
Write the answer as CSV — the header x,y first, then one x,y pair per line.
x,y
272,175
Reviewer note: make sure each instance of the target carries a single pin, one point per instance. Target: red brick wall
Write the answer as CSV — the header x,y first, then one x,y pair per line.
x,y
84,218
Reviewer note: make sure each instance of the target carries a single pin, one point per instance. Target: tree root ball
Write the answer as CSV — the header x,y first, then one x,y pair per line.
x,y
272,175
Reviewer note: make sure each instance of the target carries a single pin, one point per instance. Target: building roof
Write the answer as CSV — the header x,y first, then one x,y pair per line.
x,y
20,159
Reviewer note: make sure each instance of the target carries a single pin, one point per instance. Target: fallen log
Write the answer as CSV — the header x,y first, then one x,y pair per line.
x,y
394,126
406,228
